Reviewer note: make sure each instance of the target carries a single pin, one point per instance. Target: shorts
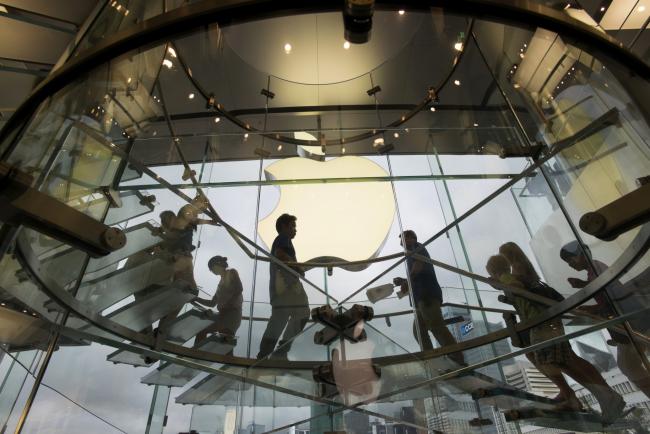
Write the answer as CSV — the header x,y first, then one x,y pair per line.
x,y
557,354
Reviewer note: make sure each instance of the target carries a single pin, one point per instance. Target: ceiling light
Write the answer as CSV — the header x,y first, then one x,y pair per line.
x,y
287,48
346,45
568,5
396,134
458,46
343,150
641,8
168,63
191,95
3,10
522,55
516,85
401,12
457,82
432,108
246,135
602,8
128,80
475,124
279,147
217,119
171,52
378,142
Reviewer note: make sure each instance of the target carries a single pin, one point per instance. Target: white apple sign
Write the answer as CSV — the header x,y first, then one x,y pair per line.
x,y
336,221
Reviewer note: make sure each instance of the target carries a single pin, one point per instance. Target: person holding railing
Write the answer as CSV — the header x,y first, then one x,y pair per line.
x,y
427,297
289,302
628,359
227,298
514,270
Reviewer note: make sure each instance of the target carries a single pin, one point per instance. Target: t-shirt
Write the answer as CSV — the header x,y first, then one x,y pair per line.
x,y
425,284
179,241
229,291
283,242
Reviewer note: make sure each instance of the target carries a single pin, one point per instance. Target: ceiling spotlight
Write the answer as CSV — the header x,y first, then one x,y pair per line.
x,y
346,45
396,134
287,48
516,85
246,135
171,52
279,147
457,82
602,8
342,150
378,142
458,46
217,119
475,124
432,108
128,80
191,95
401,11
168,63
522,55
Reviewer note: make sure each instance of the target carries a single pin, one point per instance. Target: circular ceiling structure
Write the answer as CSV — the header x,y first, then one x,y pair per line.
x,y
310,49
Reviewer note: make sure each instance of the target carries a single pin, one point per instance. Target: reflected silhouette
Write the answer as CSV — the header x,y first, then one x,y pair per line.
x,y
227,298
511,267
427,297
177,232
627,358
289,303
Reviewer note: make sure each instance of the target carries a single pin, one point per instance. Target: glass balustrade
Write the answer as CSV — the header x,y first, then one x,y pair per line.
x,y
437,277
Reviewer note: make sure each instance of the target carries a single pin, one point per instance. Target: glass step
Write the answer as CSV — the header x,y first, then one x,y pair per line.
x,y
133,205
214,389
184,328
105,291
66,262
570,421
189,324
138,238
488,390
143,312
173,375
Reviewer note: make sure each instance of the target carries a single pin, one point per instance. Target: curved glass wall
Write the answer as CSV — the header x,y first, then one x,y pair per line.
x,y
488,141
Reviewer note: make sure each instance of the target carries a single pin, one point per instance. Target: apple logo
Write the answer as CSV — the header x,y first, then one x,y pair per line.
x,y
346,221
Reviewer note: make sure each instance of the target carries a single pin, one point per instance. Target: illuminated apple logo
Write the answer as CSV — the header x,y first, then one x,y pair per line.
x,y
346,221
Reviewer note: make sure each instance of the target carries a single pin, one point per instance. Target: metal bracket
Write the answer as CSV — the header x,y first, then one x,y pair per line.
x,y
20,204
620,216
340,325
267,93
373,91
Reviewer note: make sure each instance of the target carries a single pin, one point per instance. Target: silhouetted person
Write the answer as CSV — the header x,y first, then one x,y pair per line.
x,y
627,358
557,359
427,297
227,298
289,303
177,233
